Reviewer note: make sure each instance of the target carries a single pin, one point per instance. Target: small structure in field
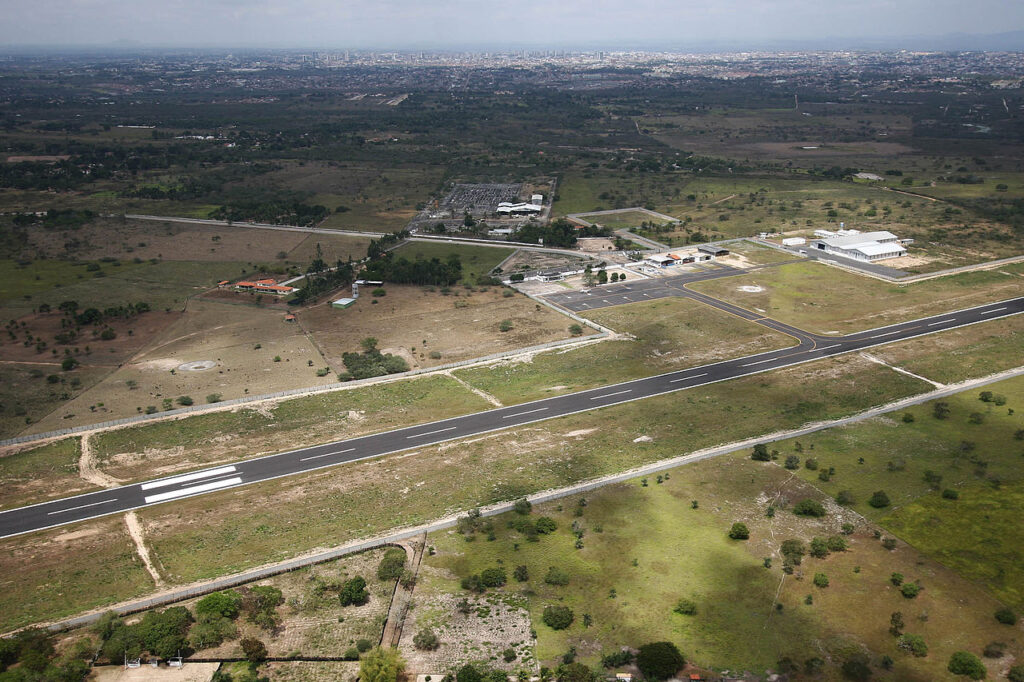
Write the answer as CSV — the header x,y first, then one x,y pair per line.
x,y
343,302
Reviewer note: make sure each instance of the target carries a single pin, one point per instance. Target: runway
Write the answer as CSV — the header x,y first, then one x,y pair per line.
x,y
809,347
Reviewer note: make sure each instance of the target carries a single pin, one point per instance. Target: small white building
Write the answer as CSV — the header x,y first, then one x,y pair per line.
x,y
508,208
537,199
794,241
869,246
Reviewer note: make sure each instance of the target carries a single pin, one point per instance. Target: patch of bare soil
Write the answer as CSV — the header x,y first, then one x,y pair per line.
x,y
494,623
191,672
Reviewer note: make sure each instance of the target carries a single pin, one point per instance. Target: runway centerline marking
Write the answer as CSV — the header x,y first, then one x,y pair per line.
x,y
609,395
81,506
952,319
431,433
989,312
326,454
673,381
834,345
759,362
520,414
188,477
184,492
879,336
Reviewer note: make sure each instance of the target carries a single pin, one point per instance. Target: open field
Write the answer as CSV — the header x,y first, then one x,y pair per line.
x,y
627,584
428,327
977,534
41,473
338,504
823,299
622,219
40,581
27,396
241,433
670,334
477,261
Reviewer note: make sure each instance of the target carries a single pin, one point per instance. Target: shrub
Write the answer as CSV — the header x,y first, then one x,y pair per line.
x,y
1016,673
521,574
378,292
1006,616
546,525
363,645
426,640
896,579
473,583
558,617
967,664
620,658
809,507
254,650
889,543
879,499
390,567
950,494
792,462
820,580
224,604
185,400
686,607
837,543
739,531
994,650
556,576
493,577
819,548
910,590
505,325
575,329
381,665
811,464
760,453
522,506
908,418
915,644
793,551
659,660
211,632
354,592
213,398
845,497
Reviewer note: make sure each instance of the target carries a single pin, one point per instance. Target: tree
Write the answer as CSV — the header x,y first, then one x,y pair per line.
x,y
68,364
493,577
521,573
809,507
915,644
522,506
381,665
940,410
558,617
556,576
819,548
856,668
224,604
254,650
820,580
896,624
879,499
1016,673
426,640
354,592
739,531
792,462
793,551
967,664
185,400
760,453
910,590
546,525
575,672
659,660
686,607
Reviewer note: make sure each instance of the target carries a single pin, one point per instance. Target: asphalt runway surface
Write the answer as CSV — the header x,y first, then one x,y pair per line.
x,y
809,347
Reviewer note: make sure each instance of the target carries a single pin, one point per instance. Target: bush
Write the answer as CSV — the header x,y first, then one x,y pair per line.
x,y
522,506
837,543
793,551
575,329
213,398
686,607
381,665
353,592
950,494
760,453
809,507
792,462
820,580
546,525
659,660
493,577
505,325
845,497
1006,616
967,664
994,650
426,640
224,604
254,650
896,579
556,576
879,499
739,531
915,644
1016,674
185,400
211,632
390,567
521,573
910,590
811,464
558,617
620,658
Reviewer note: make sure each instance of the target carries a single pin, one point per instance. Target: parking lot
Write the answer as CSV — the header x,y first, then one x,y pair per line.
x,y
479,199
636,290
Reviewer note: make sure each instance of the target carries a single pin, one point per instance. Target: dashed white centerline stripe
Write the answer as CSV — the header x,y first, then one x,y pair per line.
x,y
431,433
82,506
204,488
952,319
759,362
326,454
673,381
878,336
834,345
609,395
989,312
188,477
520,414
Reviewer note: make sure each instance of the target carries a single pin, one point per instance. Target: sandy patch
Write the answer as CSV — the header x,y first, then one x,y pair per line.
x,y
579,432
750,289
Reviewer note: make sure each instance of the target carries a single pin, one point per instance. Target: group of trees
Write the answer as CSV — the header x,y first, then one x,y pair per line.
x,y
371,363
282,212
401,270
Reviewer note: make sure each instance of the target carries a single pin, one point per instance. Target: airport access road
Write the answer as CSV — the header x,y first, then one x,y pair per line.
x,y
169,489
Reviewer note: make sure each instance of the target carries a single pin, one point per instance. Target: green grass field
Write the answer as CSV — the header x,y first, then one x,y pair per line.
x,y
622,219
477,261
42,473
823,299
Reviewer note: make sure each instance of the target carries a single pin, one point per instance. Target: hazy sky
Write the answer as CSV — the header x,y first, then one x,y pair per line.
x,y
454,23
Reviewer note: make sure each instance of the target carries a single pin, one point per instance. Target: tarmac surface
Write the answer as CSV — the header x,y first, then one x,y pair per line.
x,y
809,347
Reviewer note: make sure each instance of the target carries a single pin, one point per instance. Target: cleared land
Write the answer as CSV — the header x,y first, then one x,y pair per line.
x,y
477,261
627,585
977,534
825,300
42,473
669,334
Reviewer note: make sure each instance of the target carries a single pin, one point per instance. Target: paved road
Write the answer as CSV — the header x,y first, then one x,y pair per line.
x,y
810,347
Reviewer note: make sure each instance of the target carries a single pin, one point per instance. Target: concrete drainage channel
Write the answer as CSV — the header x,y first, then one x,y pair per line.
x,y
405,537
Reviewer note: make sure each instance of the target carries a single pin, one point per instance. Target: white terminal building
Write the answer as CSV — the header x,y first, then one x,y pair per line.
x,y
866,246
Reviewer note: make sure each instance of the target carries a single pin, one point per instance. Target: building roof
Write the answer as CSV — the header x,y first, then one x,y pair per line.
x,y
852,241
876,249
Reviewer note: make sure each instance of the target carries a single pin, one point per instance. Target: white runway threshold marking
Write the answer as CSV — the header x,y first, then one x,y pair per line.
x,y
81,506
326,454
609,395
187,477
431,433
184,492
